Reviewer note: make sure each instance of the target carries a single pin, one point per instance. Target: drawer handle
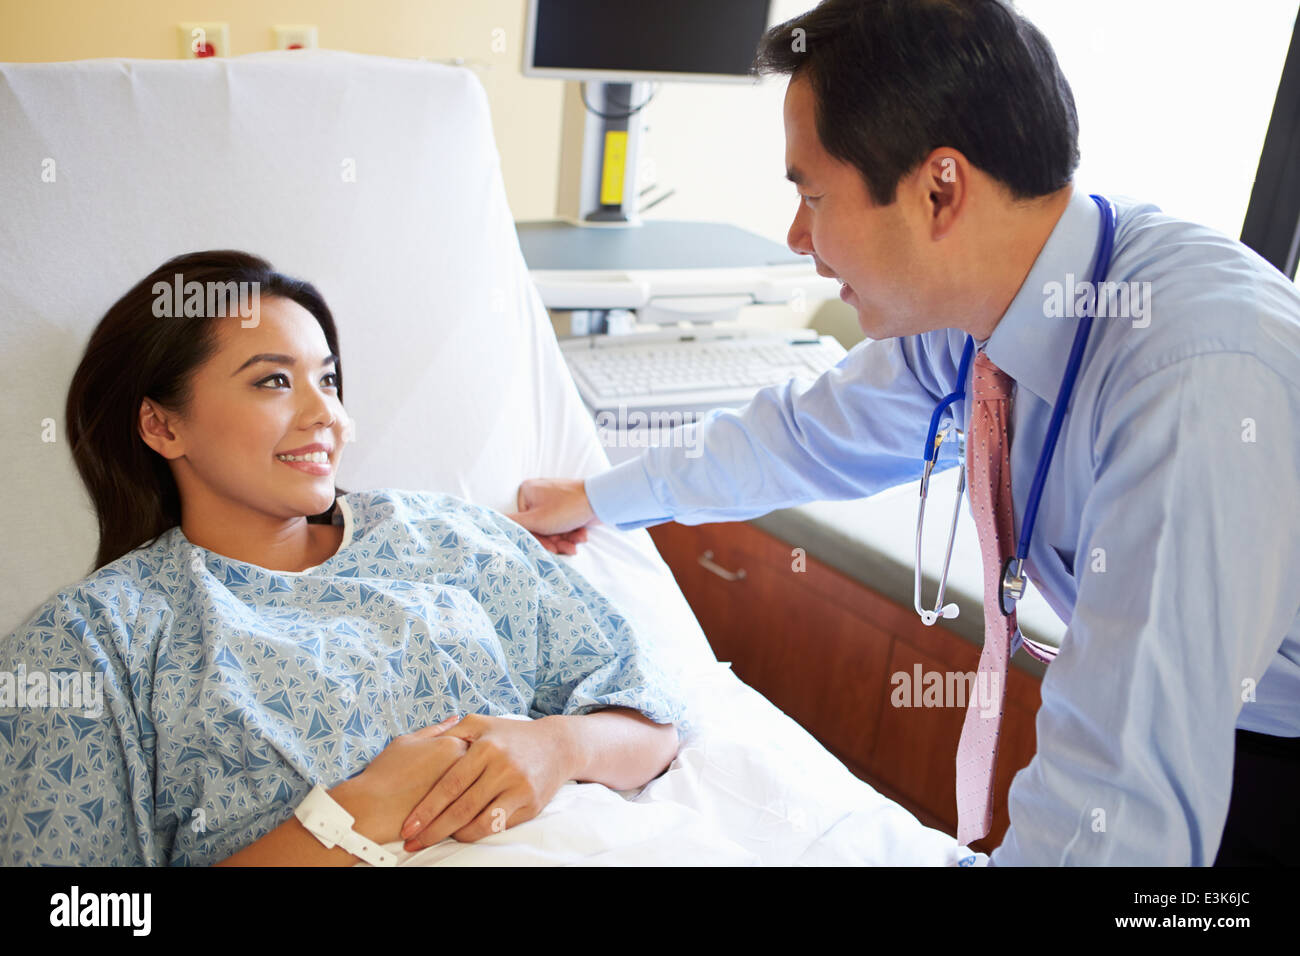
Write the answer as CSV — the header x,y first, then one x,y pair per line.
x,y
706,559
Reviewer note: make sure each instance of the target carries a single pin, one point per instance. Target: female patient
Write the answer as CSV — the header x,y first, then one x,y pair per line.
x,y
255,631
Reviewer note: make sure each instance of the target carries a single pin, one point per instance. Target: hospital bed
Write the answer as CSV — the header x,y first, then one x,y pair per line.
x,y
379,181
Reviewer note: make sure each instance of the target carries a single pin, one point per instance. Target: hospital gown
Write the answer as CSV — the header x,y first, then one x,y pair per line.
x,y
229,690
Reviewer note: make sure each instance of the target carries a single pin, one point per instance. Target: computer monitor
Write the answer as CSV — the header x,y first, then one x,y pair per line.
x,y
601,258
629,42
616,50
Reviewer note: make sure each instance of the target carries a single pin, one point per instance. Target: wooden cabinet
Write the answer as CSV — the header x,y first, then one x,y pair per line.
x,y
825,649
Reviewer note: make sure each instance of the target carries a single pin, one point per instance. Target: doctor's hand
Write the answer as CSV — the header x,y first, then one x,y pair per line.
x,y
556,511
512,770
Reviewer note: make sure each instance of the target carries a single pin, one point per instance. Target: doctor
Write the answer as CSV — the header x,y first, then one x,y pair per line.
x,y
933,145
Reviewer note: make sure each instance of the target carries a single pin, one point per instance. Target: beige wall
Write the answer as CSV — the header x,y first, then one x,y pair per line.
x,y
720,146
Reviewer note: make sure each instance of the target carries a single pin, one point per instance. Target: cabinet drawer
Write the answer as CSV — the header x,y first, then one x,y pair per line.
x,y
823,648
813,658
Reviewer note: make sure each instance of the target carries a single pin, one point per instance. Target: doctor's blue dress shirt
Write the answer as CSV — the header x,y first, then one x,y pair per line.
x,y
1167,538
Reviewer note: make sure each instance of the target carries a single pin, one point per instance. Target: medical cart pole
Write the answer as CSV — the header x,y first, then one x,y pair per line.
x,y
612,125
611,144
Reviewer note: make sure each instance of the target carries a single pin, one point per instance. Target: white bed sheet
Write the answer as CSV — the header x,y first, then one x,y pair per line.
x,y
749,787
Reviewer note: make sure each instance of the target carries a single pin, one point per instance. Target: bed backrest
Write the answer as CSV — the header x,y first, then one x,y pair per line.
x,y
376,179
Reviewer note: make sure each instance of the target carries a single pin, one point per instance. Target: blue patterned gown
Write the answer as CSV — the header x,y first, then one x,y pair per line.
x,y
228,690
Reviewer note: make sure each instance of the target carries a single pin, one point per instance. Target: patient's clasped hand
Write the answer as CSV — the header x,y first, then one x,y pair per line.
x,y
259,632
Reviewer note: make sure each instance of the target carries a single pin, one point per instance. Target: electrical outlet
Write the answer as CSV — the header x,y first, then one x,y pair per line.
x,y
199,40
301,37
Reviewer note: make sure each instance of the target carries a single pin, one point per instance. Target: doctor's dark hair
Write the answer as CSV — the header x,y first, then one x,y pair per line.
x,y
132,355
894,80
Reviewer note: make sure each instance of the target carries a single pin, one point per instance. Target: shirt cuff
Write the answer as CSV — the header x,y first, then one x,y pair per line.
x,y
622,498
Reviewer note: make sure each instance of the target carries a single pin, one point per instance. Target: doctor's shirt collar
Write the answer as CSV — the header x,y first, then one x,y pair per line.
x,y
1028,344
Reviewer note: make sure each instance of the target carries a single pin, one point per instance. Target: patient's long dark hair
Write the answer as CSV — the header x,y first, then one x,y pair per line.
x,y
133,355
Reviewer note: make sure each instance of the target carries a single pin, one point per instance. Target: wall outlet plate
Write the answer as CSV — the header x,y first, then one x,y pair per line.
x,y
200,40
295,37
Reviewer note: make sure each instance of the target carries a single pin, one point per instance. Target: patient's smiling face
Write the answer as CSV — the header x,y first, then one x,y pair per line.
x,y
237,497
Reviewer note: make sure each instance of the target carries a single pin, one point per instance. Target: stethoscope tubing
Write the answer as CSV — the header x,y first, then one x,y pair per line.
x,y
1105,249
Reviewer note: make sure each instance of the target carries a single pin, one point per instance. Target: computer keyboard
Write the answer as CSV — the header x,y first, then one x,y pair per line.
x,y
691,373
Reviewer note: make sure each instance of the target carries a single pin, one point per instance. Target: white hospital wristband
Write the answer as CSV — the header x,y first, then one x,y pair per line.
x,y
326,819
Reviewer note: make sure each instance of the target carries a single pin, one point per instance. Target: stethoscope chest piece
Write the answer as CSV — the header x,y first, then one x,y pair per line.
x,y
1011,587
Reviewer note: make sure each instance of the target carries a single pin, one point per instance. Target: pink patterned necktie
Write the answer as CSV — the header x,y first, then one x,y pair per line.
x,y
988,465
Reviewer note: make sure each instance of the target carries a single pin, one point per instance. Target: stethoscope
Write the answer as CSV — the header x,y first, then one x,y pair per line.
x,y
1012,586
